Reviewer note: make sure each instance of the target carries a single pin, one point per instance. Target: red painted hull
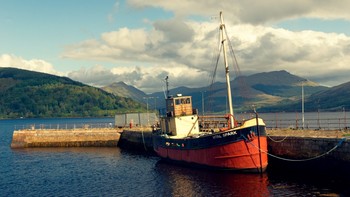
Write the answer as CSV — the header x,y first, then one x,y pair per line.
x,y
241,155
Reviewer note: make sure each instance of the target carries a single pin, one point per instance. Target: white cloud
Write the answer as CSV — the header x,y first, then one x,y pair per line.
x,y
95,76
184,49
305,53
258,49
121,39
252,11
8,60
148,79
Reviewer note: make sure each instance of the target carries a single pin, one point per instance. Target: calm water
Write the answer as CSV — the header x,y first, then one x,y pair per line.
x,y
116,172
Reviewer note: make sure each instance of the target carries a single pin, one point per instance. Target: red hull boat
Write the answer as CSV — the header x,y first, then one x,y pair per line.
x,y
240,146
243,148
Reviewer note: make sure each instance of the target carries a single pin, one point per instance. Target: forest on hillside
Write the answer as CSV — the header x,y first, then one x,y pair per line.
x,y
30,94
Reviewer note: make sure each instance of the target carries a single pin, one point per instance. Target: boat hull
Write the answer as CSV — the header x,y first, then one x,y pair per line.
x,y
231,150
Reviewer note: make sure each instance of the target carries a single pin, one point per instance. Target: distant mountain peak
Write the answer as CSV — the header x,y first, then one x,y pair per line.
x,y
121,83
281,77
122,89
307,83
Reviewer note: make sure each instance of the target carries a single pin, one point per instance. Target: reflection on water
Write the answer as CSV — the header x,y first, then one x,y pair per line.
x,y
102,151
184,181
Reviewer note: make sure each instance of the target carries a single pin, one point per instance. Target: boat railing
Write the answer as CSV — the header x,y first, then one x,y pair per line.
x,y
209,122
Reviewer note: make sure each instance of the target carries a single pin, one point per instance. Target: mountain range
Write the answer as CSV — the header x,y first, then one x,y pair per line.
x,y
336,98
267,91
26,93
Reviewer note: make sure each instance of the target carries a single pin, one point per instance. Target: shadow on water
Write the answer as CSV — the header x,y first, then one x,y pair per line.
x,y
317,177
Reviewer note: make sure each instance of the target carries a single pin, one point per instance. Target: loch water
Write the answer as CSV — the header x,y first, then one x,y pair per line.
x,y
112,171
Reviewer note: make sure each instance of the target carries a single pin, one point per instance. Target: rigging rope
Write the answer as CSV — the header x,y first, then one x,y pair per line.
x,y
143,140
194,124
243,88
298,160
278,141
213,79
215,68
234,59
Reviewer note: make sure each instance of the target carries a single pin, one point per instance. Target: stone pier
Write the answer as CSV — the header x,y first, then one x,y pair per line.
x,y
66,137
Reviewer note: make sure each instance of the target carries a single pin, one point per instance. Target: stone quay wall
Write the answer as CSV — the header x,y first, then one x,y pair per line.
x,y
65,137
309,148
136,139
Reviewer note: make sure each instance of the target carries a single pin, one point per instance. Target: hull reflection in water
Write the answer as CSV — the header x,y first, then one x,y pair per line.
x,y
181,181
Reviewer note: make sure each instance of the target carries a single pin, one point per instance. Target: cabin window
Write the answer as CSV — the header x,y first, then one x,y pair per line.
x,y
183,101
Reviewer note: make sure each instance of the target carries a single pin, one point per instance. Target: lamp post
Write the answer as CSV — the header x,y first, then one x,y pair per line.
x,y
302,103
147,108
345,127
155,103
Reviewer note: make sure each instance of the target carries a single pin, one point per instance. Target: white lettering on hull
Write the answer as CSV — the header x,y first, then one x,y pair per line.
x,y
225,135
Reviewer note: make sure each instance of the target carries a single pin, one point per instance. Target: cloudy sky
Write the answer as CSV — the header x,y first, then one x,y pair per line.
x,y
99,42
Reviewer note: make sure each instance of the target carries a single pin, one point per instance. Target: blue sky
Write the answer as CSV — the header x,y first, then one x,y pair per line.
x,y
38,28
140,42
329,26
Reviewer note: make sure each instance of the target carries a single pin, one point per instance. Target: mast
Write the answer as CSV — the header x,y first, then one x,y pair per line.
x,y
229,97
167,86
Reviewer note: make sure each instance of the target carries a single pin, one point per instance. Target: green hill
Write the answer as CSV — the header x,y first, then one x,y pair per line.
x,y
336,98
32,94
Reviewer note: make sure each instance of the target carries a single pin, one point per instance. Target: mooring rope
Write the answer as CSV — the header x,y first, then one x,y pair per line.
x,y
298,160
277,141
194,124
143,140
